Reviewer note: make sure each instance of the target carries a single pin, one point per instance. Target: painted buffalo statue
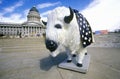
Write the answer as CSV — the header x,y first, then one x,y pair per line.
x,y
68,29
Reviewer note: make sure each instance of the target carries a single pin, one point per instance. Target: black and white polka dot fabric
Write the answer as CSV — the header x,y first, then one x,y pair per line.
x,y
84,28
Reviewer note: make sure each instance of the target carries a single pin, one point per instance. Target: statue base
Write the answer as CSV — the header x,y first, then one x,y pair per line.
x,y
72,65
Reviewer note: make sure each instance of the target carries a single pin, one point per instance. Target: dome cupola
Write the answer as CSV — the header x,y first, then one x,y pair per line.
x,y
33,15
34,9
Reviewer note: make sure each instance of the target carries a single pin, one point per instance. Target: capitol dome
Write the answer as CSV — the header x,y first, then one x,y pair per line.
x,y
33,15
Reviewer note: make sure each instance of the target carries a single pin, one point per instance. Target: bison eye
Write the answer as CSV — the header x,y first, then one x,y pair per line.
x,y
58,26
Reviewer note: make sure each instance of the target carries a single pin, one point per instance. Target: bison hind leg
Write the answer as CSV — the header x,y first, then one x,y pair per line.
x,y
79,65
86,53
69,61
74,55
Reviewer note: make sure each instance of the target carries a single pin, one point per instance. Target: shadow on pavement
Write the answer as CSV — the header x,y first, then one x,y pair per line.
x,y
48,62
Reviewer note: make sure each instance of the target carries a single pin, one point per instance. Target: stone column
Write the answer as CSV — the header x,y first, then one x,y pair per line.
x,y
25,30
22,31
31,30
9,30
12,30
36,30
28,31
39,30
3,30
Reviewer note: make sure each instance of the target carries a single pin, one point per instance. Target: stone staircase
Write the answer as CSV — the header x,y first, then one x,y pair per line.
x,y
22,45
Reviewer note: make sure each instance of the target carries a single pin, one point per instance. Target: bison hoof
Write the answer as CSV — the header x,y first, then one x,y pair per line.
x,y
85,53
68,61
74,55
79,65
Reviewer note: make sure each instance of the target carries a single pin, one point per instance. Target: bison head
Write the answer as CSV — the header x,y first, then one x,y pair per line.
x,y
58,27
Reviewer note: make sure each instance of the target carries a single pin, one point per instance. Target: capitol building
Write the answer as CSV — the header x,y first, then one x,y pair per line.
x,y
33,27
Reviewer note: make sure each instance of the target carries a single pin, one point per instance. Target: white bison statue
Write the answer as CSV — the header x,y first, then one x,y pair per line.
x,y
67,28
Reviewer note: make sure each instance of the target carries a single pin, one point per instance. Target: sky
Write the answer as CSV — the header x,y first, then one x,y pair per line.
x,y
101,14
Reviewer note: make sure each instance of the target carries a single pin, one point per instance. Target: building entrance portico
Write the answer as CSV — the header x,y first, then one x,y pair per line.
x,y
32,31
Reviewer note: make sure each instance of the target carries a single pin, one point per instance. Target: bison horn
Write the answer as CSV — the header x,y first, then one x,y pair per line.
x,y
45,23
69,18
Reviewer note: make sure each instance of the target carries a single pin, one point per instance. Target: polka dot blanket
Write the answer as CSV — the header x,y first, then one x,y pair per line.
x,y
84,29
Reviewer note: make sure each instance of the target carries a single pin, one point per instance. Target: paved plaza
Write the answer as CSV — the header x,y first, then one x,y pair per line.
x,y
27,58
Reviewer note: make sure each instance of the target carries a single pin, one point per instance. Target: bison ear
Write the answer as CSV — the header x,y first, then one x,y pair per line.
x,y
45,23
69,18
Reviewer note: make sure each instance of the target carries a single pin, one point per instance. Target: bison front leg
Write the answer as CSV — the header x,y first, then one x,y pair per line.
x,y
80,57
69,58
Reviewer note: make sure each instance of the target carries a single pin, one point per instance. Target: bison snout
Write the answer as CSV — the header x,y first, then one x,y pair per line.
x,y
51,45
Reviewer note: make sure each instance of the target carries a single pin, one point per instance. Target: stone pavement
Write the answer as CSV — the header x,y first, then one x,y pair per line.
x,y
29,59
